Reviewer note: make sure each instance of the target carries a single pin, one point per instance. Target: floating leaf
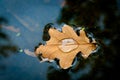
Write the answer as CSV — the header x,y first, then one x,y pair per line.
x,y
65,46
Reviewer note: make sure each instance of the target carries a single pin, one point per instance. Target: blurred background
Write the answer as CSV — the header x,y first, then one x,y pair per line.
x,y
22,24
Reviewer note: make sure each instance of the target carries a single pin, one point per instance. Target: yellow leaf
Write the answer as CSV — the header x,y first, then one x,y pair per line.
x,y
65,46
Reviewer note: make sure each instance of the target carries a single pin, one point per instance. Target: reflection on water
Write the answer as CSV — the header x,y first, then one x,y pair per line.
x,y
5,45
101,17
54,74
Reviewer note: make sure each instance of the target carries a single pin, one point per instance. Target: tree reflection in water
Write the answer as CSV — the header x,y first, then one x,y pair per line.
x,y
54,74
102,18
6,47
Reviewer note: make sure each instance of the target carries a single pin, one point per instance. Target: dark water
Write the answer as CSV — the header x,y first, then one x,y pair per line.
x,y
22,25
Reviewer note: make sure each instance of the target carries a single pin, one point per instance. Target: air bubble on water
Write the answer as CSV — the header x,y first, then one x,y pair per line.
x,y
20,50
18,34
